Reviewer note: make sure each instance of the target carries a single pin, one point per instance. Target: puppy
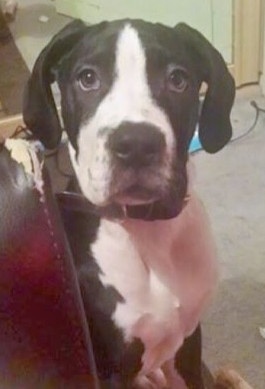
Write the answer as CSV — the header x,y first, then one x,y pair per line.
x,y
146,261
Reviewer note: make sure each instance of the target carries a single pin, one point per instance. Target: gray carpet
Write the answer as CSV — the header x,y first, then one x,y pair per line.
x,y
232,186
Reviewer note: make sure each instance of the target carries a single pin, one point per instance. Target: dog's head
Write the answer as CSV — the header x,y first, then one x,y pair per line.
x,y
130,105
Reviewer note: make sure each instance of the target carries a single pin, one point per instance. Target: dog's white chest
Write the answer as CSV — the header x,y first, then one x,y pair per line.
x,y
164,279
124,268
150,309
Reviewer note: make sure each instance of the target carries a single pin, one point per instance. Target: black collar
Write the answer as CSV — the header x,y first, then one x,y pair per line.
x,y
155,211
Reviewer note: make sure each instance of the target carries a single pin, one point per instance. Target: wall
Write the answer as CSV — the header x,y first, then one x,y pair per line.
x,y
212,17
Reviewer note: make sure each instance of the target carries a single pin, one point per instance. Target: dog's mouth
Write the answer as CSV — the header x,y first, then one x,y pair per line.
x,y
141,202
147,209
134,202
134,195
145,194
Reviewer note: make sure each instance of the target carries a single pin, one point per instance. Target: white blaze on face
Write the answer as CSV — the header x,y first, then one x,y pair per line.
x,y
129,99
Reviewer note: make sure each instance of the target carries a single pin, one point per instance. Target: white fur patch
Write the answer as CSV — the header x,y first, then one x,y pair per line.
x,y
149,304
123,267
166,273
128,100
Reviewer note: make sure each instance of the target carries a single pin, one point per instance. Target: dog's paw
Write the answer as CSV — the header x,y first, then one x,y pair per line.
x,y
155,380
161,338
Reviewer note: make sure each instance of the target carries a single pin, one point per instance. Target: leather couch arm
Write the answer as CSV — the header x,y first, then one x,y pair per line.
x,y
44,336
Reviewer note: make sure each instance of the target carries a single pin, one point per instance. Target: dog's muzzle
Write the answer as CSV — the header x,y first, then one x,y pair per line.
x,y
137,152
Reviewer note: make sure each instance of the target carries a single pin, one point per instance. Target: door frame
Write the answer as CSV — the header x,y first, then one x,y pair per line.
x,y
262,48
247,37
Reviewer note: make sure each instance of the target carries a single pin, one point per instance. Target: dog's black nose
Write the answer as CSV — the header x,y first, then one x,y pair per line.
x,y
137,144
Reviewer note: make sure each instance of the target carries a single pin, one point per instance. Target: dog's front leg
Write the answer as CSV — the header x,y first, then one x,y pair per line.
x,y
188,360
173,378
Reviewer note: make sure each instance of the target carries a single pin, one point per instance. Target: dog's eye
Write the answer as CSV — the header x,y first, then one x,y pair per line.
x,y
88,80
178,80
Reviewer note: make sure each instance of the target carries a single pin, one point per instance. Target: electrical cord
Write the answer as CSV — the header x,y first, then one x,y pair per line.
x,y
252,127
22,131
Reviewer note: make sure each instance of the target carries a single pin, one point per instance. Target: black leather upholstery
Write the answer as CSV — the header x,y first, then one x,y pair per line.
x,y
44,337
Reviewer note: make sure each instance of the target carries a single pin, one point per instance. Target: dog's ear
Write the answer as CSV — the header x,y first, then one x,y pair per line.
x,y
215,128
39,110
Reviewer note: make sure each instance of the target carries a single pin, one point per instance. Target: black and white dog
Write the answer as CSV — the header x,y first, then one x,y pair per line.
x,y
130,105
